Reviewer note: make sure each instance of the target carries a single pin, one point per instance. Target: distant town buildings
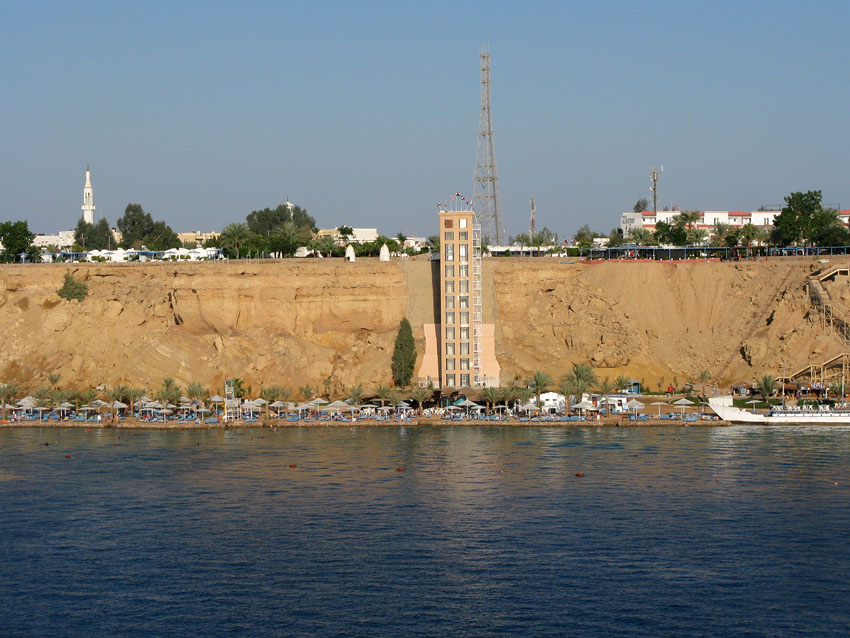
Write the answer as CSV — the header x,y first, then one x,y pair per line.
x,y
708,220
197,237
357,236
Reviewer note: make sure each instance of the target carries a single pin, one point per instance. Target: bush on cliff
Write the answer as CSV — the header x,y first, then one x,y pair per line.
x,y
73,289
404,354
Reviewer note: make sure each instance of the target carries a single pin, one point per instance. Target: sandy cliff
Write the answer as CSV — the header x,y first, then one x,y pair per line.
x,y
302,321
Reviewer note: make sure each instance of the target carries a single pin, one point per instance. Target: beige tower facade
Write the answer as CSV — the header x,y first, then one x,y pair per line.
x,y
456,304
460,349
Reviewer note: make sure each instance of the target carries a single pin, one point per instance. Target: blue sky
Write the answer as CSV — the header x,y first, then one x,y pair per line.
x,y
366,113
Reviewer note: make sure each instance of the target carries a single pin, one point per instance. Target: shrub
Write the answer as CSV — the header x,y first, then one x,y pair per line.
x,y
73,289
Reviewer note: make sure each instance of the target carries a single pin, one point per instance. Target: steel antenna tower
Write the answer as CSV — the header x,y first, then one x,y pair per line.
x,y
532,229
653,186
485,193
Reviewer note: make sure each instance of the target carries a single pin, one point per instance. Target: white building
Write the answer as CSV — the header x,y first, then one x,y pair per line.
x,y
707,220
88,199
358,235
64,240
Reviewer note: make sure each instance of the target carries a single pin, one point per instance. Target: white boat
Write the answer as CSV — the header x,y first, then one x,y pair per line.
x,y
723,407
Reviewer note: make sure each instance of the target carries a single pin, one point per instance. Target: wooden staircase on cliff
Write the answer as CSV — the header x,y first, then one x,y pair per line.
x,y
834,316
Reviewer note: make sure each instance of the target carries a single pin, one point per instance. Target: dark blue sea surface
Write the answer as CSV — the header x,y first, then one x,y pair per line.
x,y
736,531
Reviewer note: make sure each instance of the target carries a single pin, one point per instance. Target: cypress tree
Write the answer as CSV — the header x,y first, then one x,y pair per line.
x,y
404,354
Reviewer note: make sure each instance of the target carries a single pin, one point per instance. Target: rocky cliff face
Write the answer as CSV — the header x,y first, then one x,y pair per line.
x,y
300,322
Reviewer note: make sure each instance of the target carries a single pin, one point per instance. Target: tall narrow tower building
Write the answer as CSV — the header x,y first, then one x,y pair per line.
x,y
88,199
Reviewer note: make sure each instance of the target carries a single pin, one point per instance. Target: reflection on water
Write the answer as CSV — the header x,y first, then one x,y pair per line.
x,y
737,530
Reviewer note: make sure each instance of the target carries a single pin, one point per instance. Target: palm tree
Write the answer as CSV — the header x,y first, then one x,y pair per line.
x,y
196,391
306,392
523,240
580,379
327,383
642,236
540,381
420,395
621,383
134,394
720,231
53,379
836,388
605,387
169,392
766,386
491,397
703,379
234,236
698,236
689,218
383,393
565,387
356,394
239,389
523,394
286,397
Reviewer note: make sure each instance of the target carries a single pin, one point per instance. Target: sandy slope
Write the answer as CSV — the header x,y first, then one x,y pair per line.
x,y
302,321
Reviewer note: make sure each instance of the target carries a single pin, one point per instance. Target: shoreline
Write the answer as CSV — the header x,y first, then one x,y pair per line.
x,y
415,422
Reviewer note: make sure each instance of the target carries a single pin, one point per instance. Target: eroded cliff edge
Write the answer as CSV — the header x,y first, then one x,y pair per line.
x,y
299,322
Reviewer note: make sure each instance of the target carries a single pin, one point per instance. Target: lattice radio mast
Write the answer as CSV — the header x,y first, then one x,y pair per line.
x,y
532,229
485,193
653,186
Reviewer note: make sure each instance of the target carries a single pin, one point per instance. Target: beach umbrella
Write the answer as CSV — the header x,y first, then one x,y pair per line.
x,y
635,405
683,402
117,405
319,401
659,404
216,399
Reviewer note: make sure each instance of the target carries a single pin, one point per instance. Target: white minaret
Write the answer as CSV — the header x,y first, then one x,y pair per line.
x,y
88,199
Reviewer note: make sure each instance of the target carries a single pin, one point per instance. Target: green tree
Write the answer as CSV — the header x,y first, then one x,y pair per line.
x,y
605,387
540,382
642,236
17,240
434,242
72,289
233,237
139,229
197,392
135,225
794,224
584,236
8,393
491,397
765,386
161,237
404,354
345,232
356,394
169,392
703,379
383,393
94,236
263,222
579,380
306,392
640,205
421,395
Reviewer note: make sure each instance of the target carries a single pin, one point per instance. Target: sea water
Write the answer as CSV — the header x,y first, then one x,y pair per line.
x,y
738,531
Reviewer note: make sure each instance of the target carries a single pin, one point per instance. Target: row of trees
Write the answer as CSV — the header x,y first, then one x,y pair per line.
x,y
802,221
137,229
17,239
